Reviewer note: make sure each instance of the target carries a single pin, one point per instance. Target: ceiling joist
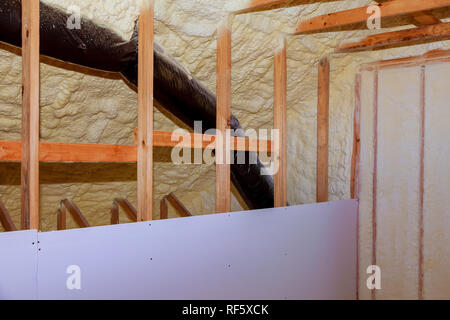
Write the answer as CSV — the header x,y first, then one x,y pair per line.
x,y
359,15
433,32
242,6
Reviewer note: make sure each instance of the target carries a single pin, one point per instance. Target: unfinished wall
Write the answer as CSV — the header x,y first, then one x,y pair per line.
x,y
77,107
397,212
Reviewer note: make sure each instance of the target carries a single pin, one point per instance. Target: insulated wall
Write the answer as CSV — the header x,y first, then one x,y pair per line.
x,y
405,156
301,252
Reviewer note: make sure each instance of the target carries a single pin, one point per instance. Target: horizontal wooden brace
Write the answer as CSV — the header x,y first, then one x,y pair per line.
x,y
79,152
432,32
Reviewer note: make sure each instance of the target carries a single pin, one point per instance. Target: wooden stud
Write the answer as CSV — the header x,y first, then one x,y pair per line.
x,y
280,124
5,219
30,115
115,213
179,207
128,208
145,115
354,188
223,114
61,221
323,130
403,37
359,15
164,209
75,213
356,139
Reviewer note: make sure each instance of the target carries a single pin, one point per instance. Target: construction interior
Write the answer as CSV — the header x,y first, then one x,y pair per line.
x,y
87,117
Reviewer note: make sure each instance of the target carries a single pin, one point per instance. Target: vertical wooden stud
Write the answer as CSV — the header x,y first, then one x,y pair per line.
x,y
223,191
145,114
61,218
164,209
356,139
323,130
30,115
115,213
280,124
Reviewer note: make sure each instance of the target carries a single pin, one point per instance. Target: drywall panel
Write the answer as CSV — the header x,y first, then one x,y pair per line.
x,y
437,179
299,252
18,274
398,184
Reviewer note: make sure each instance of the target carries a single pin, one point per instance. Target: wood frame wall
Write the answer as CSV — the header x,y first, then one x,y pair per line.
x,y
429,58
30,151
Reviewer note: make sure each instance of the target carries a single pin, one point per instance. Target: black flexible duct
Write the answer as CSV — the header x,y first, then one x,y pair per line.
x,y
182,95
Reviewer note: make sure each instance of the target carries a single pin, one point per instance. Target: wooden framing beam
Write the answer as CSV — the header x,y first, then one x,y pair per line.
x,y
127,207
179,207
280,124
354,188
187,140
425,18
323,130
61,222
432,32
163,209
5,219
223,114
145,114
388,9
79,152
115,213
431,57
74,212
246,6
30,115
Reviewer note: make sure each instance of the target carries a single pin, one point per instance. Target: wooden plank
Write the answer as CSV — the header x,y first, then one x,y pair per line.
x,y
115,213
30,115
241,6
433,32
425,18
431,57
164,209
61,222
421,18
128,208
223,114
356,139
80,152
145,114
280,124
75,213
5,219
359,15
323,130
187,140
71,152
179,207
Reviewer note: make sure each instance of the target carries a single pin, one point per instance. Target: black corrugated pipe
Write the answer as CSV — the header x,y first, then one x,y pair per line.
x,y
182,95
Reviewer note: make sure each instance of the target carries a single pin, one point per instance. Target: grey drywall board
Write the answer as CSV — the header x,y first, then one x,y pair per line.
x,y
299,252
18,263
